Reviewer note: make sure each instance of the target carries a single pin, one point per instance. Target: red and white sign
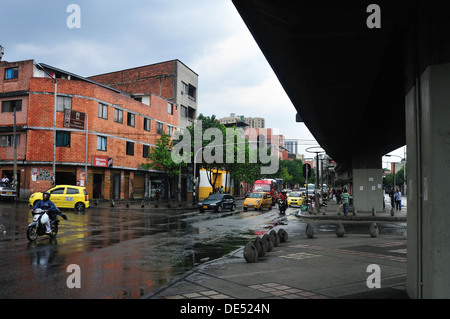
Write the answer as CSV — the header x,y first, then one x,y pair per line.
x,y
102,161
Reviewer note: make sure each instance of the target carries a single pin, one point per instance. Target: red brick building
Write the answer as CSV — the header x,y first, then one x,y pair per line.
x,y
120,131
172,80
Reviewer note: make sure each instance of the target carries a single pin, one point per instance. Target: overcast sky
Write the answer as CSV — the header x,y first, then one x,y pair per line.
x,y
208,36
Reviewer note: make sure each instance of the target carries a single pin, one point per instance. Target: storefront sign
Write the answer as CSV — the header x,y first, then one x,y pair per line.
x,y
102,161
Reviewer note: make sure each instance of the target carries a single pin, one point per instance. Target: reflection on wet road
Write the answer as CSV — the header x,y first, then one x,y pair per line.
x,y
122,253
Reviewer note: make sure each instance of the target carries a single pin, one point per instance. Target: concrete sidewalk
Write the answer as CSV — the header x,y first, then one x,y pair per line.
x,y
322,267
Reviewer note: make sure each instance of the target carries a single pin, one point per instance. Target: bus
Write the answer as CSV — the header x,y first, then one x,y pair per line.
x,y
269,186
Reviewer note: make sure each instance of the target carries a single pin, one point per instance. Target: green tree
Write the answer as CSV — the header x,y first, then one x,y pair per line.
x,y
160,158
212,169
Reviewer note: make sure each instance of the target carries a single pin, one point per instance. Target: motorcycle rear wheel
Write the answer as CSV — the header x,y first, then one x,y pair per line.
x,y
32,233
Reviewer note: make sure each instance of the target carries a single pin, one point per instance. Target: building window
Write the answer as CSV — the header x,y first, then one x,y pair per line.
x,y
191,113
184,111
170,108
63,103
7,140
103,111
130,148
170,131
9,106
184,88
130,119
101,143
118,116
159,128
63,139
146,124
12,73
192,93
145,151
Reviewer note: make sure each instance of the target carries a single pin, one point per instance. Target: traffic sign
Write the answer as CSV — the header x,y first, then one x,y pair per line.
x,y
306,170
74,119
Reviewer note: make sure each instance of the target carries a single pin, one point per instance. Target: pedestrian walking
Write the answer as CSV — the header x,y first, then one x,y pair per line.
x,y
338,196
391,195
398,199
344,198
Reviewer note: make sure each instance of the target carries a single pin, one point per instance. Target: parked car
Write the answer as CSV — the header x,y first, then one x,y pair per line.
x,y
258,200
7,191
218,202
295,199
64,196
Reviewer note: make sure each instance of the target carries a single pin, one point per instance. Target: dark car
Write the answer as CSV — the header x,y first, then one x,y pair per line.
x,y
7,191
217,202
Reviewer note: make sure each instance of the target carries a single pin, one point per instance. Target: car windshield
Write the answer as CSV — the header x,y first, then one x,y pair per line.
x,y
3,184
255,195
215,196
295,194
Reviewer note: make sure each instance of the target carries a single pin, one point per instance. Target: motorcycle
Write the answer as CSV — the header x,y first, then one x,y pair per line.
x,y
37,227
282,206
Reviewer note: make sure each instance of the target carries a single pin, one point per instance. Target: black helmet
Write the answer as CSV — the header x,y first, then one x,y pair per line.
x,y
45,196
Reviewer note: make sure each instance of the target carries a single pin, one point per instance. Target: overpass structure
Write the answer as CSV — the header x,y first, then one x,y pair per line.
x,y
367,77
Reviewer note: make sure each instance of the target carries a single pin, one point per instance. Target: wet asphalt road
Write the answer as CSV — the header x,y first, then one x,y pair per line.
x,y
125,252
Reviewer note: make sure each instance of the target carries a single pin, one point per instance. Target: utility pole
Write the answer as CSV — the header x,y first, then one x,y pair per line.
x,y
15,151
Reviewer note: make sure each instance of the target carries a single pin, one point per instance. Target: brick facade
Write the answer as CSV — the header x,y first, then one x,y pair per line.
x,y
35,127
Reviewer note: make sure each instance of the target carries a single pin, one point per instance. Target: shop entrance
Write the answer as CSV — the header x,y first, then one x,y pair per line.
x,y
98,186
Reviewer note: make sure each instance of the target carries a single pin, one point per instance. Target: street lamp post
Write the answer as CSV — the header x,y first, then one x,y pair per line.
x,y
317,173
404,171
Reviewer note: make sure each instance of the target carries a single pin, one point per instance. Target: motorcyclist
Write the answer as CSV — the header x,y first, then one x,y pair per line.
x,y
282,195
50,208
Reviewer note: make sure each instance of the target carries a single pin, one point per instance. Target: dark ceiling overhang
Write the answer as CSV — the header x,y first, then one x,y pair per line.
x,y
346,81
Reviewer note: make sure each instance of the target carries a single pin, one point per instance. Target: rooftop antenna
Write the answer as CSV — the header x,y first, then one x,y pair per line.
x,y
1,52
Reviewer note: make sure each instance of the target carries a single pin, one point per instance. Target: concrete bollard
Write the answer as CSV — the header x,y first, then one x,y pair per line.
x,y
283,235
274,237
374,212
96,202
250,253
112,203
392,211
354,212
269,243
309,231
373,230
260,247
142,203
404,235
340,231
128,203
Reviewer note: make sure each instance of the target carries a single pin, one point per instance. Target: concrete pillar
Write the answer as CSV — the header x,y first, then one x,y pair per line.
x,y
367,179
428,176
367,189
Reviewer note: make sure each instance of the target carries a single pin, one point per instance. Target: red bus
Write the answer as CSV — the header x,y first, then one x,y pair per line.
x,y
267,185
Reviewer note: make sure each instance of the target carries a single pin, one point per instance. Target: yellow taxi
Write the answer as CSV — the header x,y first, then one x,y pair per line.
x,y
258,200
295,199
64,196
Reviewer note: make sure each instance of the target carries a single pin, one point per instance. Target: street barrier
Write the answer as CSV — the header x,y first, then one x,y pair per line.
x,y
262,245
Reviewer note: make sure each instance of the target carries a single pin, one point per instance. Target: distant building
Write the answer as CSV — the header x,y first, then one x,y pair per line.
x,y
252,122
292,146
266,136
